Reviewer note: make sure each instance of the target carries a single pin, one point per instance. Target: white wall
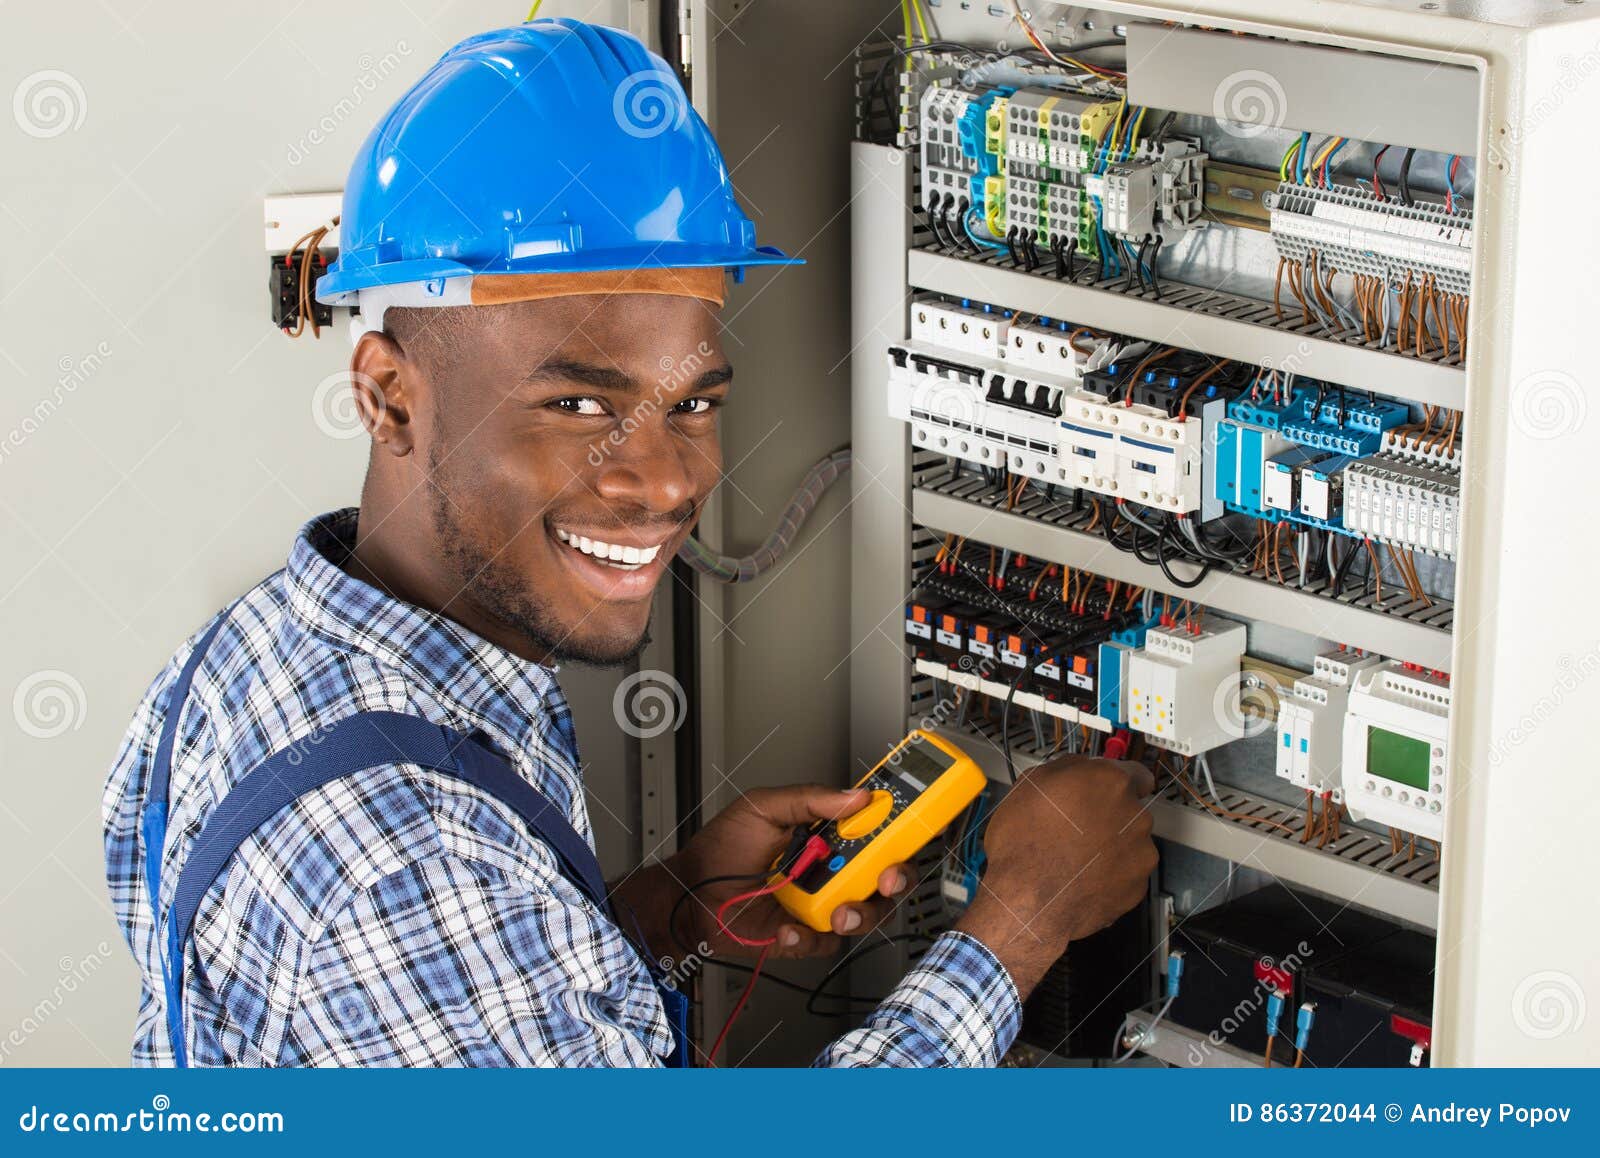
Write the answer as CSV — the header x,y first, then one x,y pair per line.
x,y
158,438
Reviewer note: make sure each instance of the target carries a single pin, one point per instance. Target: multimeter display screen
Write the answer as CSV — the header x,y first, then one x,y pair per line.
x,y
921,762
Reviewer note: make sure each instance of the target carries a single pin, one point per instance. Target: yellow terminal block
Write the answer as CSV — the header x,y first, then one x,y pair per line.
x,y
923,784
1093,125
994,127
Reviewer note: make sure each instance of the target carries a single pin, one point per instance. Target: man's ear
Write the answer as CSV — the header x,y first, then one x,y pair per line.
x,y
381,380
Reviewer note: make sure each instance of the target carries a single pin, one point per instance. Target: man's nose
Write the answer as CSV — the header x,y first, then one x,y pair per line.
x,y
652,471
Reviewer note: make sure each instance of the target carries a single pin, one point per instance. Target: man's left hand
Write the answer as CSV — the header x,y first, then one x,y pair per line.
x,y
743,841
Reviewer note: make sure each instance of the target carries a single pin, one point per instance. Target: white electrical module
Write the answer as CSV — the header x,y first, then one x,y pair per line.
x,y
1396,749
1311,716
1176,682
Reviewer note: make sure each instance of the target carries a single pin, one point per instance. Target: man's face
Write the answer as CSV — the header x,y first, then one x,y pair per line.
x,y
570,446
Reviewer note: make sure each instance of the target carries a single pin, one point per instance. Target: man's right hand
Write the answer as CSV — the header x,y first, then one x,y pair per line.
x,y
1069,852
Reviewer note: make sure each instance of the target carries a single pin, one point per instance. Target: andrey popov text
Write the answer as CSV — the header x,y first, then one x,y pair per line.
x,y
1448,1113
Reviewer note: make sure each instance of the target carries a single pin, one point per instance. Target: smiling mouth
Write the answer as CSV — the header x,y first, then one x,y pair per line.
x,y
615,555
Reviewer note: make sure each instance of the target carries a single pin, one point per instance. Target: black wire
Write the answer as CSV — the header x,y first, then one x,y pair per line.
x,y
896,53
683,899
846,961
1005,724
1161,559
1405,177
814,993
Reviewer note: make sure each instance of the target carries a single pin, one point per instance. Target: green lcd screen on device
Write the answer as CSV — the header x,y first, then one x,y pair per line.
x,y
1399,758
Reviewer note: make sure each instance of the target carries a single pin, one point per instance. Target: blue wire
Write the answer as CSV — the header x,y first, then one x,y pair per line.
x,y
1300,159
1103,240
1327,166
966,223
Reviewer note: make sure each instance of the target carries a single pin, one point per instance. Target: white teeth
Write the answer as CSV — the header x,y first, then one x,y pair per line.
x,y
617,555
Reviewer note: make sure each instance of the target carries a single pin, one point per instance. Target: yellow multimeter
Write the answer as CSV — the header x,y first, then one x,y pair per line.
x,y
917,789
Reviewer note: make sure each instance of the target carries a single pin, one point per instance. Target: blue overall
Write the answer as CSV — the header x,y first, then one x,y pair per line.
x,y
352,745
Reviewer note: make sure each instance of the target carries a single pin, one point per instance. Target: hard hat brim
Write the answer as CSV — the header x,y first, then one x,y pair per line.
x,y
344,280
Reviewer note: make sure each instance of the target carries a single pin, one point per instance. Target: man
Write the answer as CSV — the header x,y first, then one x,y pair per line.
x,y
527,255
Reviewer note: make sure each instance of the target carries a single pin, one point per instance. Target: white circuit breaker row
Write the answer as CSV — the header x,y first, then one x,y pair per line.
x,y
1408,503
977,387
1373,735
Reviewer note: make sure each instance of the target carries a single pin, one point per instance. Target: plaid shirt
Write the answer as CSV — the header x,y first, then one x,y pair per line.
x,y
400,918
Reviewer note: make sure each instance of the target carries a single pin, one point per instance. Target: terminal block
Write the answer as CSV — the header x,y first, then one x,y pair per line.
x,y
1355,232
947,168
1411,504
1176,683
1158,193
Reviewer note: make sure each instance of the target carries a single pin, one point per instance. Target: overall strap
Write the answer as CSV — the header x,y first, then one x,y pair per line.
x,y
356,744
153,821
352,745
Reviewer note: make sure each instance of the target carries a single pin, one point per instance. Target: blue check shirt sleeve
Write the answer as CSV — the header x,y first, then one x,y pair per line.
x,y
958,1007
450,962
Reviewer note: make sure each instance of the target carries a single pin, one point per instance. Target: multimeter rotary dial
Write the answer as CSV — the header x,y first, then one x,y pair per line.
x,y
869,819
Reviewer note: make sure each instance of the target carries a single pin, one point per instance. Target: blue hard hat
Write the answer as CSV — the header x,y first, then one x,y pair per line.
x,y
552,147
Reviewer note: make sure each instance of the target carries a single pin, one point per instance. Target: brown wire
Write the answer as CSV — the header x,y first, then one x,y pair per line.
x,y
1216,368
1215,810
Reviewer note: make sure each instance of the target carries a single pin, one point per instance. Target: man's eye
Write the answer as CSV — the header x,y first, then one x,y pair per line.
x,y
589,407
697,405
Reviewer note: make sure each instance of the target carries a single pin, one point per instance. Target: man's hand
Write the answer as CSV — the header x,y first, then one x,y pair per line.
x,y
742,840
1069,852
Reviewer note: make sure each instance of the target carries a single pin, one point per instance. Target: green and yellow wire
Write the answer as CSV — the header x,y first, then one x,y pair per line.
x,y
1288,157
